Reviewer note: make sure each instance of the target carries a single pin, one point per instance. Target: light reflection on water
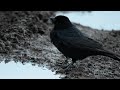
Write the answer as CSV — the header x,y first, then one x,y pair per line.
x,y
107,20
13,70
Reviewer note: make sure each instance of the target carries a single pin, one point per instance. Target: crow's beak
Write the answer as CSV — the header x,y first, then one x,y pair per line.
x,y
52,20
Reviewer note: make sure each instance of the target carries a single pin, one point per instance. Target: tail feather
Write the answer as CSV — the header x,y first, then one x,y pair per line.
x,y
111,55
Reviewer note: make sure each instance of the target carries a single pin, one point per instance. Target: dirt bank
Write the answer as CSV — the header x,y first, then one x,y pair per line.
x,y
24,37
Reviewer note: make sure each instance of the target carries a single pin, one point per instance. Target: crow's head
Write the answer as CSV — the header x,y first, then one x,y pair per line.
x,y
61,21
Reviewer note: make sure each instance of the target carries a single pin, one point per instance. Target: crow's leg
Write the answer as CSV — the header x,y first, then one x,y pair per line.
x,y
71,64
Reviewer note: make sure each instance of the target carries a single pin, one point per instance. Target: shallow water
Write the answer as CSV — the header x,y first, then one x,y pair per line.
x,y
13,70
107,20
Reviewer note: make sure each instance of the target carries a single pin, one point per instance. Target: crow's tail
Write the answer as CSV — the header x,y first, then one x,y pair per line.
x,y
111,55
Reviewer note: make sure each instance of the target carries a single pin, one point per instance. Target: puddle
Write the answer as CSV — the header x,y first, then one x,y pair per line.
x,y
107,20
13,70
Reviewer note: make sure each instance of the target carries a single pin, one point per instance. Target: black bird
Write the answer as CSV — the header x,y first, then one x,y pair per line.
x,y
73,43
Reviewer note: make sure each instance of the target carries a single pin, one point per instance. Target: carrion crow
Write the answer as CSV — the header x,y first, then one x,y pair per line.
x,y
73,43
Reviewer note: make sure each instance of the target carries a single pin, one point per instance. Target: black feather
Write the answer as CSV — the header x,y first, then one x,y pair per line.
x,y
73,43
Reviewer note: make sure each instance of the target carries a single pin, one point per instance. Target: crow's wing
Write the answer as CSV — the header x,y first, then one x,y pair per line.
x,y
77,40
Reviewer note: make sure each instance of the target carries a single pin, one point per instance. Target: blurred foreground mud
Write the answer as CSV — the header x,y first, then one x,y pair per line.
x,y
24,37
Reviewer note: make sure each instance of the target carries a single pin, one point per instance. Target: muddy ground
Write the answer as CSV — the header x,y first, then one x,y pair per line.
x,y
24,37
